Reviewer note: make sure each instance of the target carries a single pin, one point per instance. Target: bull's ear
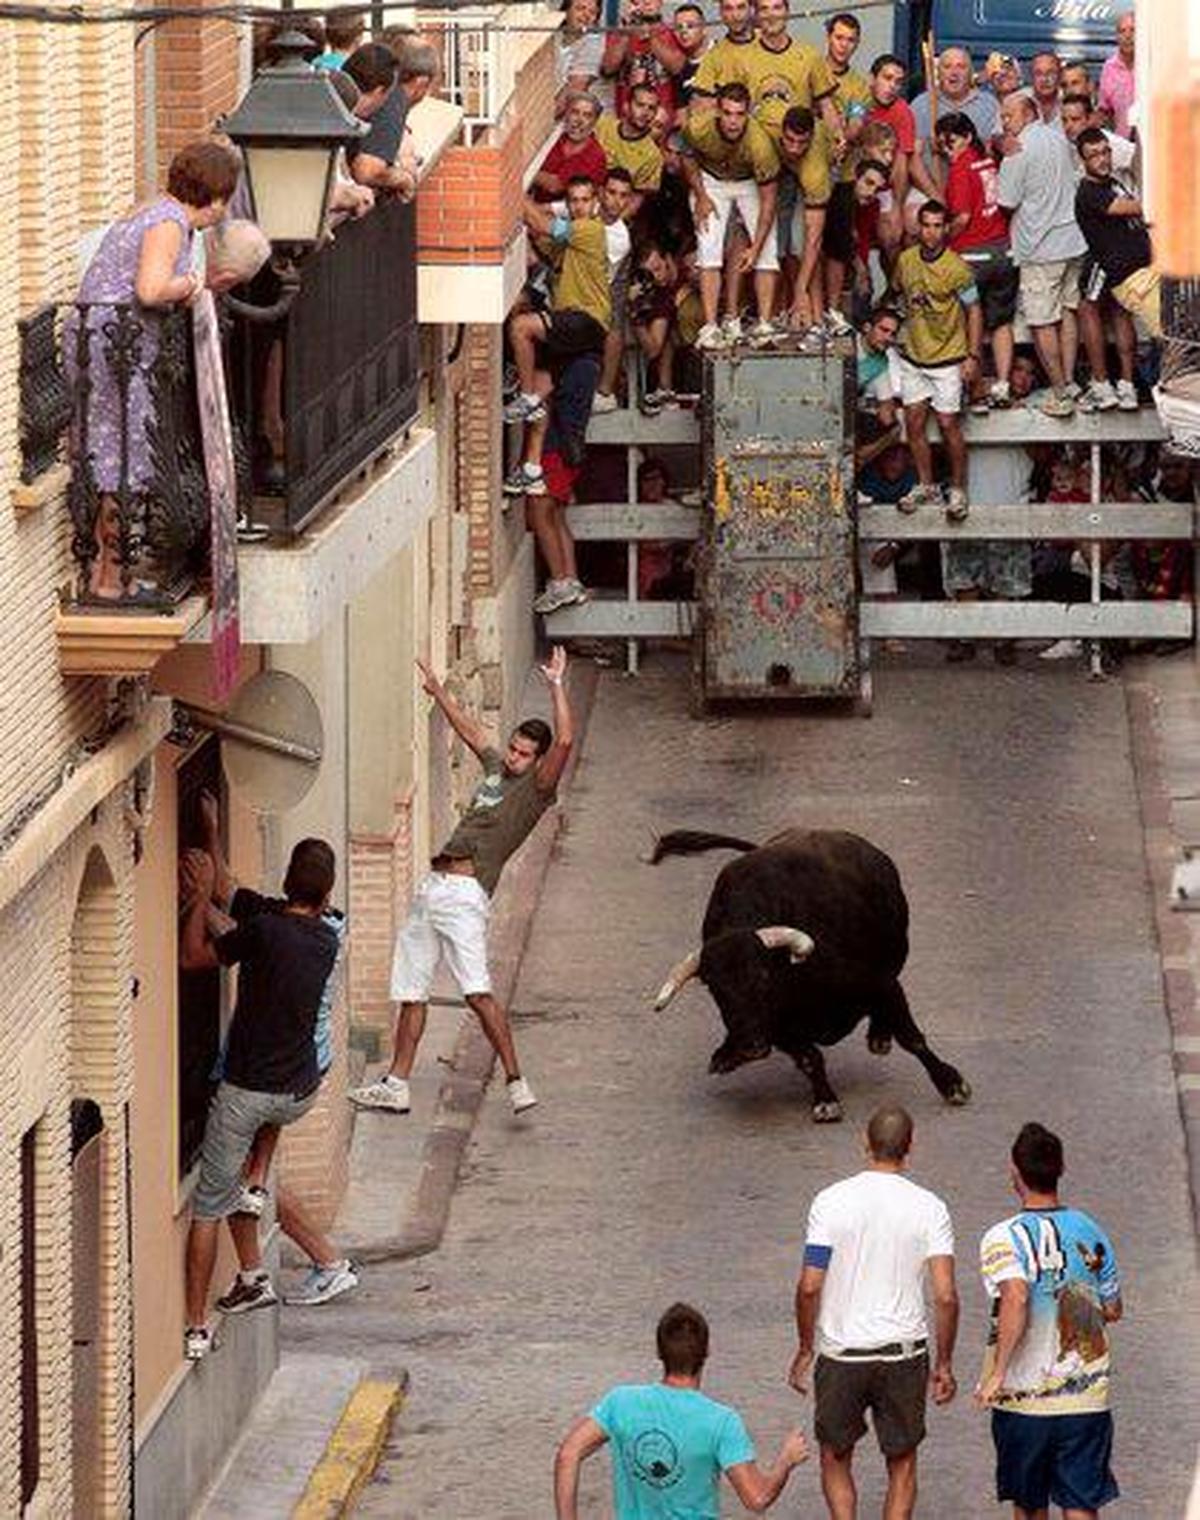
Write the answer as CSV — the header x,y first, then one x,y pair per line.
x,y
798,945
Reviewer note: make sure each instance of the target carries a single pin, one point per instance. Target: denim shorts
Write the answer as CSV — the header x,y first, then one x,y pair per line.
x,y
1058,1459
234,1118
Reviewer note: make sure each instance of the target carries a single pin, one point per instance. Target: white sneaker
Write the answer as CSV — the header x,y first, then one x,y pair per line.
x,y
1062,649
710,336
198,1341
324,1283
521,1095
762,333
999,395
837,324
389,1094
956,505
1127,396
731,329
602,402
1099,397
252,1200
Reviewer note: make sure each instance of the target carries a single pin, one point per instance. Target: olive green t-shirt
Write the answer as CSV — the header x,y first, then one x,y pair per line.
x,y
499,819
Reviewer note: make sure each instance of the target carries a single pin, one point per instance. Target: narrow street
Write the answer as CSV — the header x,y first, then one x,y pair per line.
x,y
1007,800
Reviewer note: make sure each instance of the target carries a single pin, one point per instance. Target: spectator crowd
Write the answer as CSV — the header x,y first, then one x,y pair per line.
x,y
722,185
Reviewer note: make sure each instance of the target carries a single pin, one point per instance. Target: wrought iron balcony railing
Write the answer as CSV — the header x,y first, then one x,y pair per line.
x,y
324,388
119,381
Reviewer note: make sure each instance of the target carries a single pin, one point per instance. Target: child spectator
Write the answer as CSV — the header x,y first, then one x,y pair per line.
x,y
644,52
344,31
979,232
943,335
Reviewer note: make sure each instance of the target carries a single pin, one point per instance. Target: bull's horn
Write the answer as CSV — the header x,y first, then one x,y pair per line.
x,y
683,972
783,937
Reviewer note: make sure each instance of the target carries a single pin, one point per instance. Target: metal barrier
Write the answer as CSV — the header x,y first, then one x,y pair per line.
x,y
1090,523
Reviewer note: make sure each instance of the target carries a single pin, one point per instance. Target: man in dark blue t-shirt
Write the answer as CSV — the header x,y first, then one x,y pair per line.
x,y
286,950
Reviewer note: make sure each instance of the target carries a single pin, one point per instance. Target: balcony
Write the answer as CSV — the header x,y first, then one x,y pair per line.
x,y
325,481
499,69
318,393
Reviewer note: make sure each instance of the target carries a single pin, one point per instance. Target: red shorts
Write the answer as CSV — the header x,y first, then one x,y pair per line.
x,y
560,476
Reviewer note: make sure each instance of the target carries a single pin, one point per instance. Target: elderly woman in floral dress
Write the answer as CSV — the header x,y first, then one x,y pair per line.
x,y
143,263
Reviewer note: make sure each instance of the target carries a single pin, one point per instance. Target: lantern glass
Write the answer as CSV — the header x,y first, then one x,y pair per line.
x,y
289,185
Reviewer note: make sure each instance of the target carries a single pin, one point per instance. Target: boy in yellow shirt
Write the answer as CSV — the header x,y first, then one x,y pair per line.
x,y
939,349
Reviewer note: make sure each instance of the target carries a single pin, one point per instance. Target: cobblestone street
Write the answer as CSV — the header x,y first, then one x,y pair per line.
x,y
1007,800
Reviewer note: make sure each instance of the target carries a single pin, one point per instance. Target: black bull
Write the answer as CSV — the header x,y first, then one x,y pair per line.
x,y
805,936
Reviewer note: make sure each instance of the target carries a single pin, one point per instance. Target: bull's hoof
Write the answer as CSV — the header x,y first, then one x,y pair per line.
x,y
827,1113
958,1093
725,1059
879,1044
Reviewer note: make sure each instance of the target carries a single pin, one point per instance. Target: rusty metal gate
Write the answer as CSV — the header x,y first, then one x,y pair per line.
x,y
778,614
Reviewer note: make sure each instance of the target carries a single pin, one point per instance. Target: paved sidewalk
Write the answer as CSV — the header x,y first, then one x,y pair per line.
x,y
1163,700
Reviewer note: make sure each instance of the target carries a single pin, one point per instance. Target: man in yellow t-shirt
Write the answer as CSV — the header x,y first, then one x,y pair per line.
x,y
804,188
939,349
578,320
724,63
781,72
731,162
628,143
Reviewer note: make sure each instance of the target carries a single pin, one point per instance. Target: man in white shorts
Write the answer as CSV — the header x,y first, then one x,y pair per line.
x,y
940,347
730,161
449,915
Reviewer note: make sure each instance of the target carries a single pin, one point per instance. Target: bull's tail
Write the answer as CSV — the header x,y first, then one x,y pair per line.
x,y
695,842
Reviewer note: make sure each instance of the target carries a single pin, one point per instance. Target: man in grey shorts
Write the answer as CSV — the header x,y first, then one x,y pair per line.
x,y
860,1307
286,950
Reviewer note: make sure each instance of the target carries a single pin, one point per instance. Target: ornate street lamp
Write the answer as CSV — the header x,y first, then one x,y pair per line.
x,y
290,125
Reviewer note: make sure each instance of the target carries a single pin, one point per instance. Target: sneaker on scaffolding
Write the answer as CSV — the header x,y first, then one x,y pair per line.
x,y
920,496
980,405
999,394
1059,403
524,480
762,333
1127,396
603,402
655,401
956,505
836,324
1099,397
524,408
1062,649
558,594
731,330
710,336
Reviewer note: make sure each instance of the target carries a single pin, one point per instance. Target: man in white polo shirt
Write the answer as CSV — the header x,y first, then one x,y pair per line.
x,y
860,1308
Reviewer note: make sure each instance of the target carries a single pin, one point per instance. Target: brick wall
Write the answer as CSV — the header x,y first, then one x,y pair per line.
x,y
381,885
196,79
65,1010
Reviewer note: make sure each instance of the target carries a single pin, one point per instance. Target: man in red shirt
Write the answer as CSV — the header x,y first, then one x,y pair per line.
x,y
645,51
888,104
979,232
576,151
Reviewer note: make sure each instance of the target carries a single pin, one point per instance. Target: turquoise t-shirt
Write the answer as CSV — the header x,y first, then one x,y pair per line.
x,y
670,1447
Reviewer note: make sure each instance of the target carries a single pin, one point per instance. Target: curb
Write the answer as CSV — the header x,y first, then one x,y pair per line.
x,y
461,1095
352,1451
1178,934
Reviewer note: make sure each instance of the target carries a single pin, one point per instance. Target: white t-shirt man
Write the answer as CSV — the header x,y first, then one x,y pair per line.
x,y
873,1235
